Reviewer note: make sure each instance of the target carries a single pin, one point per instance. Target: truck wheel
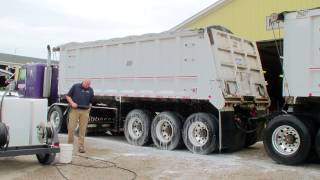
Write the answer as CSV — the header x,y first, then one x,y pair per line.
x,y
313,132
55,116
287,140
166,130
251,139
137,127
200,133
46,159
317,143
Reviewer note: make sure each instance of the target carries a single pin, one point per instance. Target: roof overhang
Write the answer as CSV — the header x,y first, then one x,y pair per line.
x,y
202,13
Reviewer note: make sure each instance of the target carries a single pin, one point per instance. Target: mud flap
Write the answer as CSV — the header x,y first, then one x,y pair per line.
x,y
231,138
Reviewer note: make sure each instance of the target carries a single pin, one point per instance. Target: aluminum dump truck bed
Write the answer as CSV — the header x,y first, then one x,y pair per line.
x,y
302,53
204,64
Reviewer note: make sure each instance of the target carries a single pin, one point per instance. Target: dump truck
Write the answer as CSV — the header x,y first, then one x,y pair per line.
x,y
292,134
203,88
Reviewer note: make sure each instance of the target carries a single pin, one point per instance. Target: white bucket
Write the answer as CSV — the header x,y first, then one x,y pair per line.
x,y
65,155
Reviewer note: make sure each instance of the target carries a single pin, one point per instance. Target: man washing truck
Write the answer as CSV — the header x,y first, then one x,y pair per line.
x,y
79,98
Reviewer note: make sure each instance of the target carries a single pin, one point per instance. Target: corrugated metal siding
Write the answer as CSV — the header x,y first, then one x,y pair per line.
x,y
247,18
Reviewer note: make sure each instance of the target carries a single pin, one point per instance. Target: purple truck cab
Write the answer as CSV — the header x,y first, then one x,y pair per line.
x,y
30,83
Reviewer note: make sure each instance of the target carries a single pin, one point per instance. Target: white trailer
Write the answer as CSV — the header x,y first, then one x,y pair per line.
x,y
293,135
24,131
203,86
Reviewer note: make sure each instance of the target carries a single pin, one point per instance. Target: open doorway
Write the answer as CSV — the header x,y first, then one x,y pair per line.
x,y
272,67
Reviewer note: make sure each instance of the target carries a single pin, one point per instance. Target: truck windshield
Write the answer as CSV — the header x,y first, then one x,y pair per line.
x,y
22,74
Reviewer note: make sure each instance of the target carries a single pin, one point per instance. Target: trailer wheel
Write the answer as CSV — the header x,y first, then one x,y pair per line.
x,y
55,116
287,140
137,127
200,133
166,130
46,159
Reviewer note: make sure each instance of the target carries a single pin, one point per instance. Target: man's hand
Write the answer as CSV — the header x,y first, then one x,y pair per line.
x,y
71,103
74,105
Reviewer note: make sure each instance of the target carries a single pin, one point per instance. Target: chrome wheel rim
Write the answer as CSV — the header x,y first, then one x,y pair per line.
x,y
164,130
198,133
286,140
135,128
55,119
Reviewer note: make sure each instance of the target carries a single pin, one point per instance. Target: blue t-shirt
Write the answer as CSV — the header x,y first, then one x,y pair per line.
x,y
81,96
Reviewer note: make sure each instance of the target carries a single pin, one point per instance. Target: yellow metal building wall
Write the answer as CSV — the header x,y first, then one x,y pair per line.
x,y
247,18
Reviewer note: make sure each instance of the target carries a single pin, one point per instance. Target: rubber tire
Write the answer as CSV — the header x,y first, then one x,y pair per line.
x,y
182,119
145,117
251,139
317,143
302,154
4,135
59,110
212,124
313,131
176,121
46,159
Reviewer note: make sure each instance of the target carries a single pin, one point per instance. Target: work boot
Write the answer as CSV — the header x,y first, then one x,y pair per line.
x,y
81,149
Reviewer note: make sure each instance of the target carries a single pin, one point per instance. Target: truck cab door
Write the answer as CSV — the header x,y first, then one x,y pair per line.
x,y
21,81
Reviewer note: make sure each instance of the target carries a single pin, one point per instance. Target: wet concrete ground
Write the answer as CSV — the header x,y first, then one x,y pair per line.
x,y
112,159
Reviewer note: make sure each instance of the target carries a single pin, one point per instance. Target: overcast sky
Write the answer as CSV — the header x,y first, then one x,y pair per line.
x,y
27,26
